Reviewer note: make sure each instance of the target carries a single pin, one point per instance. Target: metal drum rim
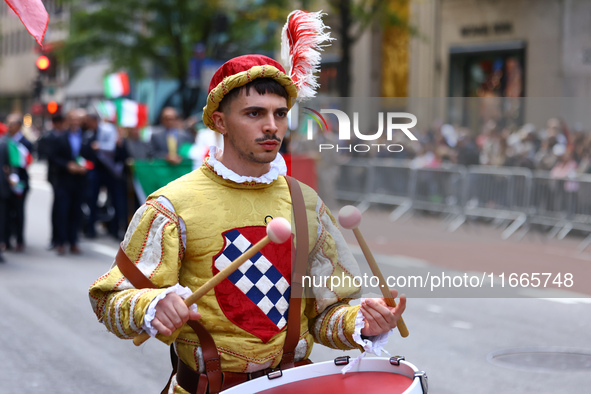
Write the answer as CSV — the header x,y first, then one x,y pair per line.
x,y
367,364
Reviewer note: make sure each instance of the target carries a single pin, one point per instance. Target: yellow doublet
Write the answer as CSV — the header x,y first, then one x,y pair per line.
x,y
209,206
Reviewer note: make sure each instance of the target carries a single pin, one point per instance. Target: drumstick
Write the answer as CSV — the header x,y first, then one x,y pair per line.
x,y
349,218
278,231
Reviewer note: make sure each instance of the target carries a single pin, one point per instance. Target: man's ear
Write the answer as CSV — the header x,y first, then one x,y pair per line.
x,y
219,121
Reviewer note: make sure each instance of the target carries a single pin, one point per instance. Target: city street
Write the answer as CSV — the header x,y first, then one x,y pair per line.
x,y
51,341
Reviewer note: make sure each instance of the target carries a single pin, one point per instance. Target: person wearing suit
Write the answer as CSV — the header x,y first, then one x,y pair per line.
x,y
107,173
18,193
167,140
68,155
45,148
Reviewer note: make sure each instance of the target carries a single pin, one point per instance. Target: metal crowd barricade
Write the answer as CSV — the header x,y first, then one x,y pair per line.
x,y
394,182
376,181
497,193
510,194
390,183
354,180
438,189
564,204
550,202
582,209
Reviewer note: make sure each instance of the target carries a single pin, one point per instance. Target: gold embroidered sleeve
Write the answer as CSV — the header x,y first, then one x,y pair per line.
x,y
335,327
332,269
153,243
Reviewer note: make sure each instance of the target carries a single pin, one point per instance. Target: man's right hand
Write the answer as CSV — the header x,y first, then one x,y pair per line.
x,y
75,168
171,314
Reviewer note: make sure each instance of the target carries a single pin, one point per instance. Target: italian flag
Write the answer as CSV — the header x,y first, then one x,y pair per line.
x,y
131,113
89,165
18,154
107,110
116,85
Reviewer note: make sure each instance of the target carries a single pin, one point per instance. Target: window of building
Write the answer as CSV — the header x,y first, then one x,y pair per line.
x,y
493,75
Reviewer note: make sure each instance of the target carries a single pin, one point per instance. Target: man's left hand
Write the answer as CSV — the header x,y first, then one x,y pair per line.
x,y
379,317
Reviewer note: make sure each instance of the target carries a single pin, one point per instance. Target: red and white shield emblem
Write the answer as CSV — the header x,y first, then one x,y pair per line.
x,y
255,297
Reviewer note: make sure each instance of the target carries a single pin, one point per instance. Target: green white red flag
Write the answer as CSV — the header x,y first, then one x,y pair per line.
x,y
131,113
33,15
116,85
18,154
107,110
89,165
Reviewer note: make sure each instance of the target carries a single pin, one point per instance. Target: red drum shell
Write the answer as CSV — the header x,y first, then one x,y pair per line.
x,y
371,375
354,382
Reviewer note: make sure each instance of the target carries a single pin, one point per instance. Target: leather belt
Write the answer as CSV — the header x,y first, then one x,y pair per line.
x,y
195,382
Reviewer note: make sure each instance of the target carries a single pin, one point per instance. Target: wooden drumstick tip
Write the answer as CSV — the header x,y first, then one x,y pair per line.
x,y
349,217
279,230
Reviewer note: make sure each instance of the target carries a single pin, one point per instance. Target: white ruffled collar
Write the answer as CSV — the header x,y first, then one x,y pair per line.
x,y
278,167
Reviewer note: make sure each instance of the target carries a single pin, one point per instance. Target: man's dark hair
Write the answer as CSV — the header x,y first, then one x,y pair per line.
x,y
260,85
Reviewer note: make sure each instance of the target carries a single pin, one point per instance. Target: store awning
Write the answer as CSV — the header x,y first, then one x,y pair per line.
x,y
88,81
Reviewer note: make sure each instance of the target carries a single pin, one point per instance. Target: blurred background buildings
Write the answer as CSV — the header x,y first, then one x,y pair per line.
x,y
423,48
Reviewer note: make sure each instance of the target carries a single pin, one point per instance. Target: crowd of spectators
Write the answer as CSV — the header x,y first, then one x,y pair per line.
x,y
88,168
554,148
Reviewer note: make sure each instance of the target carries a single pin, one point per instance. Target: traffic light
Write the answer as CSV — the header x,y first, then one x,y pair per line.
x,y
43,63
52,107
46,64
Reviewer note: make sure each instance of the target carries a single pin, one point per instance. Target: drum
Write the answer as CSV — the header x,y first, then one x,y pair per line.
x,y
371,375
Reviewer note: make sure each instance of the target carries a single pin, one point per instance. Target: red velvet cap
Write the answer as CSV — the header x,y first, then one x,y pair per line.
x,y
240,71
239,64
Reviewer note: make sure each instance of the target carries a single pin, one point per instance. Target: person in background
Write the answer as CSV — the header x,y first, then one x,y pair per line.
x,y
5,187
132,147
566,166
545,159
71,160
107,173
167,140
20,156
467,151
45,150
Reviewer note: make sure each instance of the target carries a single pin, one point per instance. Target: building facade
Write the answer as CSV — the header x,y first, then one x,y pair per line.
x,y
537,52
18,54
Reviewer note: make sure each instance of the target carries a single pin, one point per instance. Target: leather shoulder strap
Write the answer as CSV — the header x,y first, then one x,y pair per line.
x,y
210,353
299,266
131,272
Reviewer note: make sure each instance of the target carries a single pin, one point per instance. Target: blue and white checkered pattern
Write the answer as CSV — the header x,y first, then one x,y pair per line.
x,y
262,283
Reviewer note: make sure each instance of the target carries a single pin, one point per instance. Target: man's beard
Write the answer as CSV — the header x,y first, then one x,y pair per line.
x,y
251,156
